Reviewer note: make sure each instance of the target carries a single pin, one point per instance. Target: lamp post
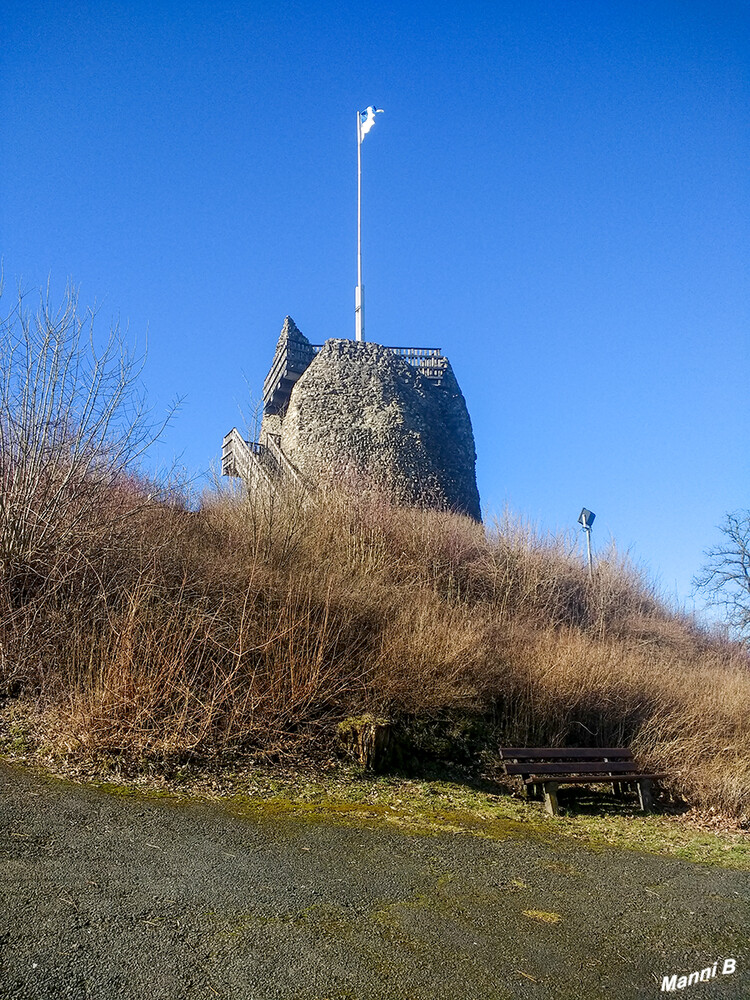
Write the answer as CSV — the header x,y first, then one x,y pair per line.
x,y
586,519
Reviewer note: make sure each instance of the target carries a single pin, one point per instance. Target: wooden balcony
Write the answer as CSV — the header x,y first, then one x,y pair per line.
x,y
288,365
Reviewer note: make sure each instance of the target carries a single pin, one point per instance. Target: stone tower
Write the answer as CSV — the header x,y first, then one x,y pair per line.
x,y
394,416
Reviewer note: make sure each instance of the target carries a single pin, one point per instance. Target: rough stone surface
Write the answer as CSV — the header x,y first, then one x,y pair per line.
x,y
361,409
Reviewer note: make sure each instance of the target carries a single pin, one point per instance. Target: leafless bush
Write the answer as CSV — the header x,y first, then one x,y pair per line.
x,y
73,424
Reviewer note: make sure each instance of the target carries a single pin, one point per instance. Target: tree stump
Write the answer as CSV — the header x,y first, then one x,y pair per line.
x,y
368,739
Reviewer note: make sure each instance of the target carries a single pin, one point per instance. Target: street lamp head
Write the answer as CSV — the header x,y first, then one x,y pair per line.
x,y
586,518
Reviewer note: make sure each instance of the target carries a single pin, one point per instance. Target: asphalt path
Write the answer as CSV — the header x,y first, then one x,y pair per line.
x,y
105,897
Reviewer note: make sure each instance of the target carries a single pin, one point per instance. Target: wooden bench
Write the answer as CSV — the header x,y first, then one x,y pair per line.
x,y
549,767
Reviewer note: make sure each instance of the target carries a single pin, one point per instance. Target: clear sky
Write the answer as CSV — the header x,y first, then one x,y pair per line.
x,y
556,195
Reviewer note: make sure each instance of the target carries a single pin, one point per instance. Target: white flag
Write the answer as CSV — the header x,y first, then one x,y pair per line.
x,y
367,120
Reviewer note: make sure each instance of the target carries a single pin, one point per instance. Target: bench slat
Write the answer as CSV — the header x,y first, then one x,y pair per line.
x,y
562,753
594,779
585,767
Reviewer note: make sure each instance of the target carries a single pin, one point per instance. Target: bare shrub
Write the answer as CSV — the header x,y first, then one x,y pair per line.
x,y
73,424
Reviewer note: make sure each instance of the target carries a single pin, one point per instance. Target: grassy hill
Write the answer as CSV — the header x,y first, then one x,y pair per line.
x,y
261,624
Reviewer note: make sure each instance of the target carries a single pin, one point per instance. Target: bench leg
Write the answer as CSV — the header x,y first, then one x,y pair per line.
x,y
550,797
644,794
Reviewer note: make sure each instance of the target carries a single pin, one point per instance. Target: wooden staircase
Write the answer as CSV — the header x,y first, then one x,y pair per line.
x,y
254,462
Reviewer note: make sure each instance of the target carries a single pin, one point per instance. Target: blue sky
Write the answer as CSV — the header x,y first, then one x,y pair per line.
x,y
556,195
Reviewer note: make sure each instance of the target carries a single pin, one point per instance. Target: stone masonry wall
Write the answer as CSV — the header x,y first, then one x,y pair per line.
x,y
360,408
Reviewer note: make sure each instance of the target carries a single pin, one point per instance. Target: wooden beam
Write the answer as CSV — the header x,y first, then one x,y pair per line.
x,y
550,797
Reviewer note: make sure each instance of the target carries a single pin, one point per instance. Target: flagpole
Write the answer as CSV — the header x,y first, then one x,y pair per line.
x,y
359,298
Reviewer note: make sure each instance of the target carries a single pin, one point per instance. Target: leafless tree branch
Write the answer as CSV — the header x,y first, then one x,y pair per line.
x,y
725,578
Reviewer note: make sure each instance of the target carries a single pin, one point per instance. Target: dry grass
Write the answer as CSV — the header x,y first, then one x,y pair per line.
x,y
261,622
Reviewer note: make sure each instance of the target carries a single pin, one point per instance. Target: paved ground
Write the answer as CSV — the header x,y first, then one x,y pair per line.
x,y
106,897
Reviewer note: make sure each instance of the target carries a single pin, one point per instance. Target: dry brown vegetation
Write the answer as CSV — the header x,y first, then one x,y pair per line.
x,y
258,623
133,626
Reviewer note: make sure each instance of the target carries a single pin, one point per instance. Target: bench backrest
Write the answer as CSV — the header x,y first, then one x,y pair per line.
x,y
567,760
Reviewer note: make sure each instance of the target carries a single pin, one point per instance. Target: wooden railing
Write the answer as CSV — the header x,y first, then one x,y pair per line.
x,y
429,360
285,465
416,355
242,458
247,459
